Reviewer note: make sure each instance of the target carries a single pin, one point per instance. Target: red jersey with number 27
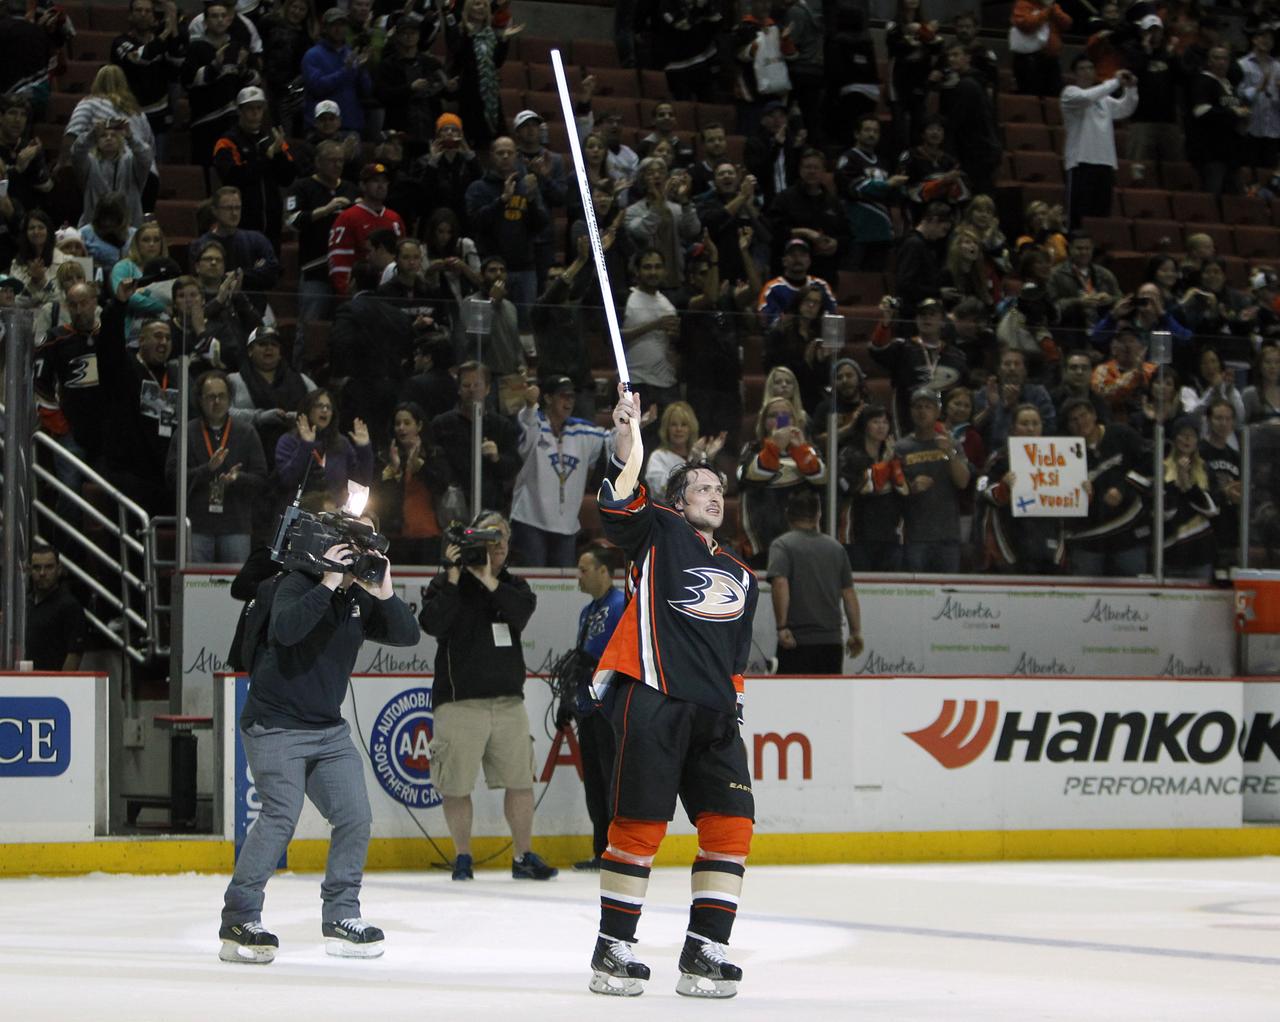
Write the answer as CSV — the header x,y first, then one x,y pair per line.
x,y
687,628
349,240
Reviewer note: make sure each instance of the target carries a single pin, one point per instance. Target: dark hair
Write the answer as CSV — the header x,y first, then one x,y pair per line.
x,y
1153,266
863,120
1079,235
1219,402
39,546
938,211
1205,265
440,215
385,239
1071,404
365,276
811,152
678,480
474,367
971,308
1081,58
803,504
10,100
605,554
419,416
25,251
644,254
711,126
111,215
330,438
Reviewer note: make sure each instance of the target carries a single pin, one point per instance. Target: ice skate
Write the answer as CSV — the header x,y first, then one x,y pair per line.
x,y
352,938
247,943
615,969
705,971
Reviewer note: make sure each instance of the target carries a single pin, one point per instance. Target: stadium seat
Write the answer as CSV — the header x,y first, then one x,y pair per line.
x,y
181,181
1037,167
78,76
1013,109
1112,234
1257,242
60,106
1223,241
1179,177
623,105
513,100
541,77
1053,194
859,288
653,84
1024,137
1198,206
612,81
92,45
589,513
715,113
1245,210
513,75
1152,236
536,50
1144,204
595,53
177,217
1052,110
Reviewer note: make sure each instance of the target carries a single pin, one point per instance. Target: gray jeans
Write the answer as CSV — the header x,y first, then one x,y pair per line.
x,y
326,767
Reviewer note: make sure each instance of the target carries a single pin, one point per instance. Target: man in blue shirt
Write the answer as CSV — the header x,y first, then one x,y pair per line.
x,y
595,734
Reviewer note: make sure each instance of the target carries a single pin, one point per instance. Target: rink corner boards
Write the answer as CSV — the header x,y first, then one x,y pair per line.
x,y
157,855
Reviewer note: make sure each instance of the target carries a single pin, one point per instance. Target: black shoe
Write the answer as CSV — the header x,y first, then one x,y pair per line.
x,y
247,943
462,868
352,938
705,971
587,865
530,867
615,969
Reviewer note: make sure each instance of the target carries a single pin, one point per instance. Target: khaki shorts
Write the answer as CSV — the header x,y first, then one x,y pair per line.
x,y
474,732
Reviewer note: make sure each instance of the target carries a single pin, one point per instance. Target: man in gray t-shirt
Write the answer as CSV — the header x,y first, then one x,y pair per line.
x,y
937,473
811,587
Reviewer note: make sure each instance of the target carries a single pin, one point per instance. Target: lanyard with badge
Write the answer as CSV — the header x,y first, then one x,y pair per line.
x,y
218,485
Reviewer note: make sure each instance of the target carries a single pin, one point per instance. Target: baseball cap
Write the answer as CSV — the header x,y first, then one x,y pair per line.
x,y
557,385
252,94
796,243
67,234
410,20
328,106
263,335
372,170
771,106
334,14
1150,21
926,394
525,116
928,305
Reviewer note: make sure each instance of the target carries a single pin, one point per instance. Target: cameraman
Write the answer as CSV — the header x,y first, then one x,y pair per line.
x,y
476,610
297,743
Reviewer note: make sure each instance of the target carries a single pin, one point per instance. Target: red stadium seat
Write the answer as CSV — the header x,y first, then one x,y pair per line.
x,y
1052,110
92,45
1024,137
860,288
1198,206
1111,234
1258,242
1145,204
1053,194
106,18
613,81
715,113
622,105
536,50
541,77
181,181
595,53
653,84
1179,177
1245,210
1152,236
1012,109
177,217
1038,167
513,75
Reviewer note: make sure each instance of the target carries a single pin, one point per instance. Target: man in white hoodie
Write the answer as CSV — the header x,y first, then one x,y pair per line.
x,y
1089,112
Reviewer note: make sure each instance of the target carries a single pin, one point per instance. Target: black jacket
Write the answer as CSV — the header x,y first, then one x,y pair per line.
x,y
300,679
469,662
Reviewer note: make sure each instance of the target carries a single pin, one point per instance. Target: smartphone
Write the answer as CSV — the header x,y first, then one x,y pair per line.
x,y
784,420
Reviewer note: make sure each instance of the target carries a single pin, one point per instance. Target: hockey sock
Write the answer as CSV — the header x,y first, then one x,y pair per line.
x,y
624,874
716,880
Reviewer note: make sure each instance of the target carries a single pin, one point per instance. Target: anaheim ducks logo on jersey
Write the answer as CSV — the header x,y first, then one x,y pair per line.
x,y
717,595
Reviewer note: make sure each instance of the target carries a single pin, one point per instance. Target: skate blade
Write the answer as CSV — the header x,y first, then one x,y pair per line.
x,y
340,948
615,986
697,986
233,952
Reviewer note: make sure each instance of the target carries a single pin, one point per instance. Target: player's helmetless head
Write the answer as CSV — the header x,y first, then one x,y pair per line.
x,y
702,500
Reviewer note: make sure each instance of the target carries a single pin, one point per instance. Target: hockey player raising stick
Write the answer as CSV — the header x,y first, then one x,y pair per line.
x,y
670,680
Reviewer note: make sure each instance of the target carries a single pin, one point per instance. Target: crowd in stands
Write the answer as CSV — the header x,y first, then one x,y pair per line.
x,y
362,223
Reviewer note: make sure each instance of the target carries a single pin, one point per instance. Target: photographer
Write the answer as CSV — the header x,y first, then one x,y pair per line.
x,y
476,611
297,743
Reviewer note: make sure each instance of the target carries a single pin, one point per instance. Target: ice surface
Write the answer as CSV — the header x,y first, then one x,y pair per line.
x,y
1156,940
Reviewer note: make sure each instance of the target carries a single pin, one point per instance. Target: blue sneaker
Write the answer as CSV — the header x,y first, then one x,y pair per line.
x,y
462,868
530,867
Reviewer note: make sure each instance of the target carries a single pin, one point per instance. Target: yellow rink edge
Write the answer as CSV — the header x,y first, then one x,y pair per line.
x,y
215,855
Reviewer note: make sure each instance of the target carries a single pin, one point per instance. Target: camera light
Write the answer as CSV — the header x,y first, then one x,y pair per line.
x,y
357,498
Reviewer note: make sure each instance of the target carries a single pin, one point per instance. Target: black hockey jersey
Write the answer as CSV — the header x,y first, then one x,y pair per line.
x,y
687,628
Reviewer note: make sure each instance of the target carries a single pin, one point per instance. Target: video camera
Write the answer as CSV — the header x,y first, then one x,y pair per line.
x,y
472,543
302,538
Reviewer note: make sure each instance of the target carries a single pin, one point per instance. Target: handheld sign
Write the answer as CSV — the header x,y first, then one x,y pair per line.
x,y
1049,474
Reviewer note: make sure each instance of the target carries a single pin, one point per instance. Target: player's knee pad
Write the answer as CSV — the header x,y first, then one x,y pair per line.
x,y
637,839
721,835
